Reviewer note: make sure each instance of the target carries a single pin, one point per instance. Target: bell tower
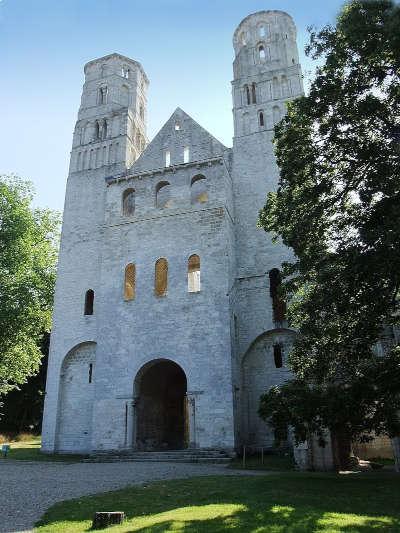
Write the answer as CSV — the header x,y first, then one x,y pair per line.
x,y
266,71
110,132
267,74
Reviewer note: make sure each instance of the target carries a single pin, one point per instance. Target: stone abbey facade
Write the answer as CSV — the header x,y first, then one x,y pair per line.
x,y
167,326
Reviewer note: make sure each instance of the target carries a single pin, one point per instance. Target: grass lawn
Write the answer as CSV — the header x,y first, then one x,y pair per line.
x,y
29,450
289,502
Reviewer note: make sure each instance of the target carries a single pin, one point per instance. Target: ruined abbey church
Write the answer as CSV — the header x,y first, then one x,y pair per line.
x,y
167,321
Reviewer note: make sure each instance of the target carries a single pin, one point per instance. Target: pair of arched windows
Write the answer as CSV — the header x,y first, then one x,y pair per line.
x,y
161,277
100,129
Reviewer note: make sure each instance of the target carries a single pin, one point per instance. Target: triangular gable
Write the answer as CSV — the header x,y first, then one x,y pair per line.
x,y
178,133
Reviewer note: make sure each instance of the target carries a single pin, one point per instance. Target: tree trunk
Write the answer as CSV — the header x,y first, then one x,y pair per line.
x,y
341,449
106,519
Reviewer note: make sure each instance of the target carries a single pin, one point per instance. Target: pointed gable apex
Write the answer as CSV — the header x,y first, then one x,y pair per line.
x,y
179,134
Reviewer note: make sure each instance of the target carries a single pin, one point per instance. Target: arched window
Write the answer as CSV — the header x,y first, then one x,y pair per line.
x,y
278,304
161,277
198,190
278,360
89,302
125,72
177,126
125,95
97,130
103,91
104,130
285,86
276,112
128,202
194,273
276,88
261,119
130,282
248,94
261,30
163,194
167,158
82,134
253,93
261,52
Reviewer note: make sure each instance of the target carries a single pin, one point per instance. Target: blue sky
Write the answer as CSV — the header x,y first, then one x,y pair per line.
x,y
185,47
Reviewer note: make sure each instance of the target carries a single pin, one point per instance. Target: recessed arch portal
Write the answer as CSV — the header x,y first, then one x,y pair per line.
x,y
76,395
160,389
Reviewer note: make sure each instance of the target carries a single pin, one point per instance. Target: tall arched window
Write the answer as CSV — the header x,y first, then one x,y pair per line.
x,y
163,194
278,360
261,30
194,273
253,93
261,119
128,202
276,112
130,282
161,277
97,130
247,94
261,52
89,302
104,130
198,190
285,86
276,88
103,92
167,158
278,303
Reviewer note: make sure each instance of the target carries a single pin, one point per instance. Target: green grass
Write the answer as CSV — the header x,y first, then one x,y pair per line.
x,y
270,462
29,450
278,503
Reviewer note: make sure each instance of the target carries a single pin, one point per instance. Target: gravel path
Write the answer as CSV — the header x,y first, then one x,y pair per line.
x,y
27,489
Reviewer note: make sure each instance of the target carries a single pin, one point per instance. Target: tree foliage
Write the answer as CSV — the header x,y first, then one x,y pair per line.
x,y
28,253
338,207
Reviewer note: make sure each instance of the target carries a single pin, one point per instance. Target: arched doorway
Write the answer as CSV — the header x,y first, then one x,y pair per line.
x,y
75,404
161,411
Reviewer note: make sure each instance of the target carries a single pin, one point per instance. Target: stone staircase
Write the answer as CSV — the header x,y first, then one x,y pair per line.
x,y
211,456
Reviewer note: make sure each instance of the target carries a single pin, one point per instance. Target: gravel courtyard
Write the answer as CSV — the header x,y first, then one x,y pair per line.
x,y
27,489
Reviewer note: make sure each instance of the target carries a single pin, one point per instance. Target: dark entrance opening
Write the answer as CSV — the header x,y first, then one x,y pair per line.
x,y
161,407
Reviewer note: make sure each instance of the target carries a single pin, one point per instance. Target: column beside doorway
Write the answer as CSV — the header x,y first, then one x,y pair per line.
x,y
191,418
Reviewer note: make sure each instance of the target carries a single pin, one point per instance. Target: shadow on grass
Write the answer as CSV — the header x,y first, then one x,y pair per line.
x,y
290,503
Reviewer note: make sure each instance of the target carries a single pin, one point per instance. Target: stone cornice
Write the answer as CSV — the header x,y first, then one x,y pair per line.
x,y
164,170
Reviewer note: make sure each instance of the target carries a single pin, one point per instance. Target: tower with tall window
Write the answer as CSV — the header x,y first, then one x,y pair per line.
x,y
110,132
267,74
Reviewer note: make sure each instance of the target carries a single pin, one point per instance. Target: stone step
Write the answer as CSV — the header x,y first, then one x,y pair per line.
x,y
178,456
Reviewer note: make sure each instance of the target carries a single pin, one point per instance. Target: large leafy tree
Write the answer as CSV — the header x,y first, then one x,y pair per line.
x,y
28,253
338,207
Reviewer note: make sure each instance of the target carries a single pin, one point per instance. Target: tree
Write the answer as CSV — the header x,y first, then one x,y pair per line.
x,y
28,253
338,207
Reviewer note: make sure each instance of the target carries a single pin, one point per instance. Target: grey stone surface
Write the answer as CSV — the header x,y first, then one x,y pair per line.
x,y
27,489
210,334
